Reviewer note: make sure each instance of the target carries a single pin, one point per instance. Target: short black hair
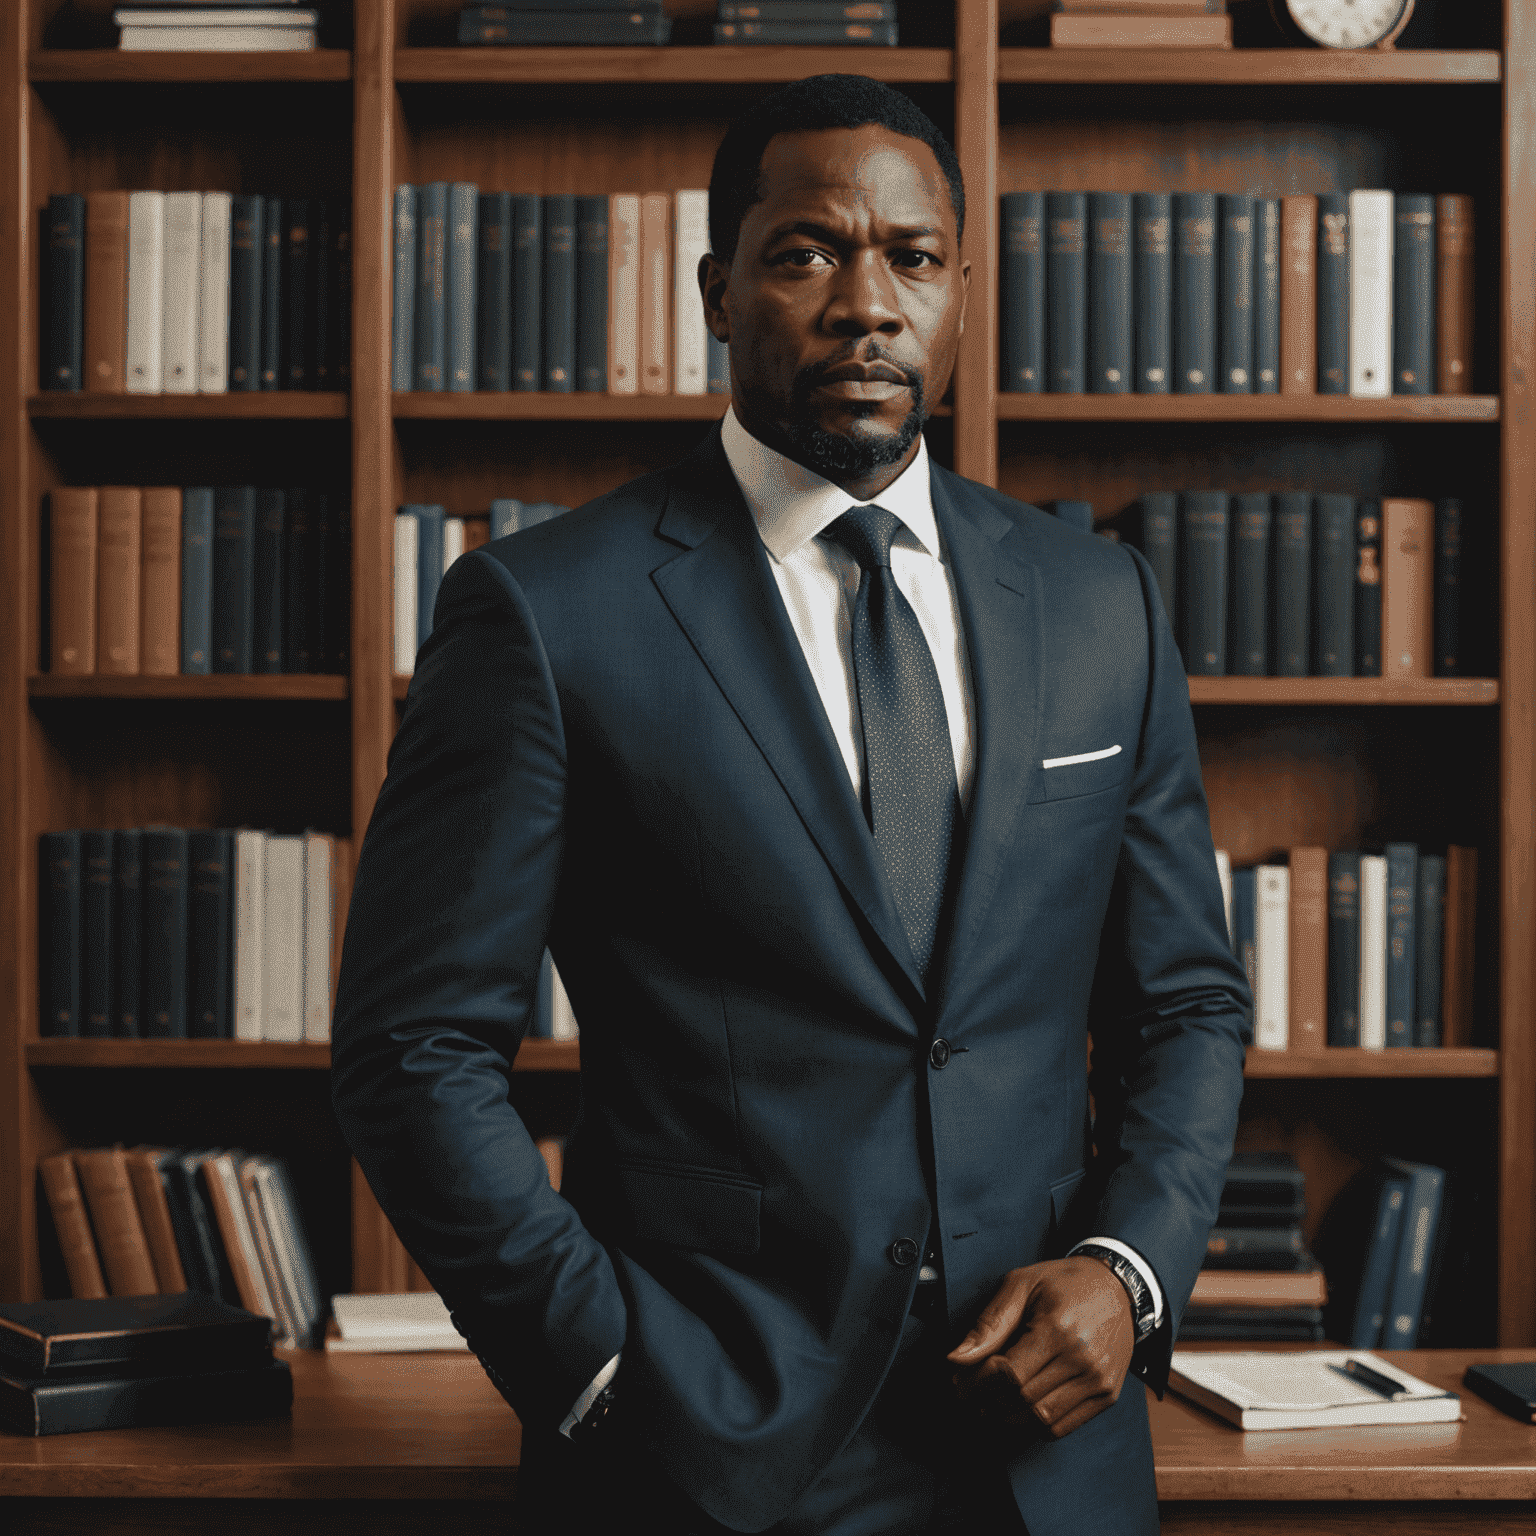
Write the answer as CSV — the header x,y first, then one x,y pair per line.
x,y
822,101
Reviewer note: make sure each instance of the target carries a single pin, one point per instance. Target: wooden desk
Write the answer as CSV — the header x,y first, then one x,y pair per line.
x,y
377,1442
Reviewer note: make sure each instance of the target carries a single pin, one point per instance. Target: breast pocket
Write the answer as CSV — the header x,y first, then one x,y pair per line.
x,y
1069,774
691,1207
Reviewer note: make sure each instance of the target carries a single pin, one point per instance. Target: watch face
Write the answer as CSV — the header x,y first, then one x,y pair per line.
x,y
1347,23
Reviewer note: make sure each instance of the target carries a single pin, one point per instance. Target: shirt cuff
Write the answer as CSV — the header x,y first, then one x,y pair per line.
x,y
587,1398
1142,1268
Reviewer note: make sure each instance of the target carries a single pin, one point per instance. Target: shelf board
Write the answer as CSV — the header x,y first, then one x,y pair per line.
x,y
47,685
112,64
1246,66
266,405
1416,408
1339,1061
530,405
664,66
532,1056
1343,690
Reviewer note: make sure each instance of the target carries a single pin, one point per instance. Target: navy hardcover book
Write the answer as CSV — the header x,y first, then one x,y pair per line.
x,y
165,934
1333,293
1380,1262
303,562
1066,290
1152,311
1448,536
59,926
429,563
234,568
209,934
1413,294
66,291
1402,930
197,579
297,367
1344,948
560,293
1021,296
494,283
128,853
592,294
1160,544
246,245
1421,1217
431,343
1109,293
1428,941
98,984
1234,331
1248,652
272,294
527,292
1194,292
1245,920
463,257
402,369
1203,582
1292,605
1333,586
1266,295
267,582
1368,589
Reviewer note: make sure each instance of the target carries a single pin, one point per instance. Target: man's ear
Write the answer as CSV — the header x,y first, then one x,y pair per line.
x,y
965,292
714,275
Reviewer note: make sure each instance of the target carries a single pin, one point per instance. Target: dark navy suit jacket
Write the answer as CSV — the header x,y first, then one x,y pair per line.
x,y
613,743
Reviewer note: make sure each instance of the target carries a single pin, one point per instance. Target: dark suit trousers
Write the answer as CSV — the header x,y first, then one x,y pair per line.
x,y
911,1469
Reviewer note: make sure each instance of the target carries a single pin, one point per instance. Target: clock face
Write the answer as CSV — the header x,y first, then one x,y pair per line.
x,y
1347,23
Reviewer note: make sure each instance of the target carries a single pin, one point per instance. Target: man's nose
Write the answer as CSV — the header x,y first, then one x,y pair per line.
x,y
864,297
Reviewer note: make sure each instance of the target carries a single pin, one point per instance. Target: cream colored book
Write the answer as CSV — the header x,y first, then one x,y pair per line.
x,y
403,1323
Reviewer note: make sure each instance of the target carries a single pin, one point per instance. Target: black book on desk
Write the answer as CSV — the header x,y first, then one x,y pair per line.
x,y
1510,1385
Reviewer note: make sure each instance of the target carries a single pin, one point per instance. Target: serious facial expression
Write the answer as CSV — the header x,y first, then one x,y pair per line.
x,y
845,300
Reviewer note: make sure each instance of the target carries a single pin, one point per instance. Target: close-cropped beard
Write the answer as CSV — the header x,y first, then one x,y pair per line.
x,y
837,457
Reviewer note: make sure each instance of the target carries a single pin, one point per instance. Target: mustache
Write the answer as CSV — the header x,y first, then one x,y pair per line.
x,y
807,378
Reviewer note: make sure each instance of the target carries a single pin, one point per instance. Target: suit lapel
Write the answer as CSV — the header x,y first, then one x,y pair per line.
x,y
1002,615
722,593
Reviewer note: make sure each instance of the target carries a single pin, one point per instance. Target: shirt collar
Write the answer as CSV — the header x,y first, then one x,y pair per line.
x,y
792,504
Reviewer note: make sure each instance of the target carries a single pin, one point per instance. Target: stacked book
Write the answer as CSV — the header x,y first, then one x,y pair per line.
x,y
1365,293
505,291
166,933
821,23
590,23
1356,950
118,1363
1140,24
1258,1280
161,580
162,1220
196,293
210,26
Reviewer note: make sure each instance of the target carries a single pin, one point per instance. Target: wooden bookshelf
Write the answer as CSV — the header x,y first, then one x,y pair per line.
x,y
1287,760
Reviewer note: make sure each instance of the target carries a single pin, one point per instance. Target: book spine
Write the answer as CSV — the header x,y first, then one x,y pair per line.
x,y
66,292
221,1186
1234,332
209,893
1109,293
690,242
1152,309
1344,949
319,899
1266,296
1373,952
592,295
1413,294
128,910
246,242
1380,1260
560,293
527,292
453,541
1460,950
146,290
66,1205
1407,588
624,294
431,335
120,1239
406,532
402,364
1203,582
1333,293
1427,943
164,882
1271,999
336,526
155,1215
1454,287
1245,920
494,285
429,566
303,561
1421,1214
119,541
792,34
1447,603
463,242
234,572
197,580
1021,295
178,306
98,983
1248,648
719,366
1402,961
213,290
267,562
283,940
59,926
105,365
72,547
298,360
1194,292
1292,604
340,277
1333,586
808,10
1160,544
655,293
1066,290
319,301
1298,295
272,368
249,926
1368,590
1370,294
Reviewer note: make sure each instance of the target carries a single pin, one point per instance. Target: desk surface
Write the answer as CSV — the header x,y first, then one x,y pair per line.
x,y
432,1427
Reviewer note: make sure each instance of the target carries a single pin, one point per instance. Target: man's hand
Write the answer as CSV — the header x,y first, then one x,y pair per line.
x,y
1051,1348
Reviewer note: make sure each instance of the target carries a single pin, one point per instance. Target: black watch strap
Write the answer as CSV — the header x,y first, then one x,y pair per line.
x,y
1143,1311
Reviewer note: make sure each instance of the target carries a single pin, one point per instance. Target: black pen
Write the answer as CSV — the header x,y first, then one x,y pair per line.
x,y
1362,1375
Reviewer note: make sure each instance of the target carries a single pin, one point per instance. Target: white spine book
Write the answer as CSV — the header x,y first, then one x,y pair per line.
x,y
1370,294
1373,952
216,39
178,314
562,1018
690,337
406,544
623,293
250,932
453,541
213,296
1224,874
283,952
319,909
1272,933
146,290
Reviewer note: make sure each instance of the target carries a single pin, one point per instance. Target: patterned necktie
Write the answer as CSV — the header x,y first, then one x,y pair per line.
x,y
911,798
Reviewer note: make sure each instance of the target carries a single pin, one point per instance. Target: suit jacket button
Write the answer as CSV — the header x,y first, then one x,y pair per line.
x,y
938,1054
904,1252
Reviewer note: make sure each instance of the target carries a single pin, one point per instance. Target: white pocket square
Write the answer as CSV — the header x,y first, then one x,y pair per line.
x,y
1079,757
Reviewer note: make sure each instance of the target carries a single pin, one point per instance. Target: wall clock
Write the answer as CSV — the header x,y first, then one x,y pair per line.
x,y
1343,23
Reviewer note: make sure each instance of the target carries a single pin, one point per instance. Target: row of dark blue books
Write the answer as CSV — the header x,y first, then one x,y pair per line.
x,y
617,23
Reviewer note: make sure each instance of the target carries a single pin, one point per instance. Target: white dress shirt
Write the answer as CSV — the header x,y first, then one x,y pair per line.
x,y
818,581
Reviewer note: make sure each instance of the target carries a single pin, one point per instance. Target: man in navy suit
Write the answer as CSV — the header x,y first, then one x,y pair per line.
x,y
849,796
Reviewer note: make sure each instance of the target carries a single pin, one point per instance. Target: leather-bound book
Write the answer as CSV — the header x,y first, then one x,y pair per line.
x,y
58,883
1292,576
1402,929
143,1164
1407,587
72,532
210,885
527,289
120,1240
623,294
655,293
1152,308
1430,941
128,915
1448,543
1368,589
65,281
1298,295
494,284
1066,292
592,297
1194,292
1455,285
234,577
268,559
246,247
560,293
1234,331
118,560
1344,948
220,1181
1248,644
298,295
1141,31
1333,235
1333,586
1021,296
197,580
98,947
1160,544
106,293
461,258
1203,574
1460,952
160,582
66,1205
1266,295
164,882
1109,293
402,367
272,294
1413,294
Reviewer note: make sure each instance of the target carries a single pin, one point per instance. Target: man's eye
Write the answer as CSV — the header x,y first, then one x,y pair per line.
x,y
915,259
804,256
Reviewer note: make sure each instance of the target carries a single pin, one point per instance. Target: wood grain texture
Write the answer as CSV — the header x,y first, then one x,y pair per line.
x,y
1246,66
46,685
975,380
279,405
1343,690
533,1056
538,406
1414,408
100,65
1337,1061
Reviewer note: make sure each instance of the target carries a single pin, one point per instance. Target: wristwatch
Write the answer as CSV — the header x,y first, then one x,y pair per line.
x,y
1143,1313
586,1426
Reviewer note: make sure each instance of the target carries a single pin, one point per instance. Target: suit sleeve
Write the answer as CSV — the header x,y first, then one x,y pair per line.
x,y
450,907
1170,1009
